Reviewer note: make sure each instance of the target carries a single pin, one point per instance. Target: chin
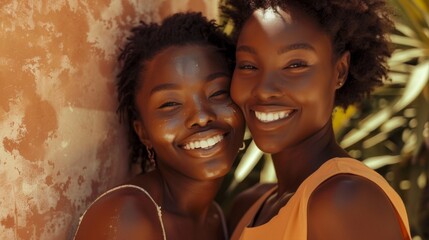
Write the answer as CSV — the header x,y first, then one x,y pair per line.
x,y
216,170
210,176
267,145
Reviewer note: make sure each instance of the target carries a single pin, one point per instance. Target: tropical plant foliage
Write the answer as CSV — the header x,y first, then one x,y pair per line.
x,y
389,132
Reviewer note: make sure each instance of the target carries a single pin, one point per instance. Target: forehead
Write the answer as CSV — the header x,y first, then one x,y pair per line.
x,y
280,26
186,57
183,63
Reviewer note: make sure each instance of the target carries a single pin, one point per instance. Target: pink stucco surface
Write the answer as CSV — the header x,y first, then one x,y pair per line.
x,y
60,141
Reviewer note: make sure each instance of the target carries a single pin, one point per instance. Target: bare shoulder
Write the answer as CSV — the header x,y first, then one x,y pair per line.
x,y
243,201
125,213
351,207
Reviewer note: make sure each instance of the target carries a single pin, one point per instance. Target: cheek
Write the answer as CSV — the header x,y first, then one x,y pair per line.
x,y
317,104
161,131
238,91
234,94
232,115
316,90
168,137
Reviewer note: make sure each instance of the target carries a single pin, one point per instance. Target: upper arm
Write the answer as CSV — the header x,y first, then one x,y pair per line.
x,y
121,215
243,202
351,207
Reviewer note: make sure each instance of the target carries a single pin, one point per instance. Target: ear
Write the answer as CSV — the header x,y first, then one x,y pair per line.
x,y
141,132
343,64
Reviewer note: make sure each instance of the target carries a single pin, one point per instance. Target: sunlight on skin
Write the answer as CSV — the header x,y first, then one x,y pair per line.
x,y
186,65
169,137
269,16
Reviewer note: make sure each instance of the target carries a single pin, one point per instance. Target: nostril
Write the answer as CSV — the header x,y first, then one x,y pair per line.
x,y
263,92
201,119
269,87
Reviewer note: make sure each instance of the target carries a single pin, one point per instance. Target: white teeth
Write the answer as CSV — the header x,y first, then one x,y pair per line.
x,y
206,143
276,117
272,116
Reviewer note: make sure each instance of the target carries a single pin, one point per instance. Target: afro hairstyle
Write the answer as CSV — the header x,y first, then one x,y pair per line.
x,y
358,26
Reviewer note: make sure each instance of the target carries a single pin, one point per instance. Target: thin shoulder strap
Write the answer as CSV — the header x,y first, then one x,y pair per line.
x,y
223,221
158,208
250,214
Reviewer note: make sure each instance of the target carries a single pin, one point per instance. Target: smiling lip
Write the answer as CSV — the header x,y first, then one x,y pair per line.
x,y
267,117
204,143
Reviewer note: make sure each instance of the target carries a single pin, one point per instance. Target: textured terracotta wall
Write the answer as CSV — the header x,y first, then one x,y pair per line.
x,y
60,142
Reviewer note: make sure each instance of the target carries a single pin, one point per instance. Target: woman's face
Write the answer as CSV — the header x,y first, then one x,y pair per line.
x,y
285,78
187,114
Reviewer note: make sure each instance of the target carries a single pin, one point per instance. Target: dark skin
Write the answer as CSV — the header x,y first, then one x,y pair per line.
x,y
285,81
183,101
243,202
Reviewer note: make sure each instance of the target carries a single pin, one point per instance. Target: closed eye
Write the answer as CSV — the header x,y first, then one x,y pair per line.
x,y
169,105
220,93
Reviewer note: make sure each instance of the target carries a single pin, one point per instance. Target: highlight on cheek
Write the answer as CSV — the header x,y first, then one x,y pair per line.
x,y
234,114
168,137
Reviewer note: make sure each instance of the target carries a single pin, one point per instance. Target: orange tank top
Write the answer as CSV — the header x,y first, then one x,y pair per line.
x,y
291,220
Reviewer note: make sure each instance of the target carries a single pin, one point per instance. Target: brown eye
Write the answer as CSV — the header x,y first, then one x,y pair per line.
x,y
246,67
298,64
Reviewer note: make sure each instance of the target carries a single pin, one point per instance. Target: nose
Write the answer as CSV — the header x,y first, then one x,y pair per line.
x,y
201,113
268,87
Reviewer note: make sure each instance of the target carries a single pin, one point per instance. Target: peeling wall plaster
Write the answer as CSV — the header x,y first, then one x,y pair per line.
x,y
60,141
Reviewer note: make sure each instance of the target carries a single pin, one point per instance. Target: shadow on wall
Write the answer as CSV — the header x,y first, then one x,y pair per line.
x,y
61,143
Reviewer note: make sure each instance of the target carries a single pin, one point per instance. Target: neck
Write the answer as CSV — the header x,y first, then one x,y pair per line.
x,y
188,197
296,163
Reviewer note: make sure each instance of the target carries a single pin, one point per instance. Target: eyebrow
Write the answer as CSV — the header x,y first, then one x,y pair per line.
x,y
216,75
282,50
163,87
295,46
244,48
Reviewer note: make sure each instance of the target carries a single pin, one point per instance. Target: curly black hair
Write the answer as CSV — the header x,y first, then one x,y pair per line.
x,y
146,41
358,26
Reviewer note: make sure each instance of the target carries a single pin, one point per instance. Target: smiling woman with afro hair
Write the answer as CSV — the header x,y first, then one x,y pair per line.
x,y
359,27
295,61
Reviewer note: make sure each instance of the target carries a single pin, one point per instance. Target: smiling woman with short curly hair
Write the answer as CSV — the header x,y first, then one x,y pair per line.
x,y
147,40
173,93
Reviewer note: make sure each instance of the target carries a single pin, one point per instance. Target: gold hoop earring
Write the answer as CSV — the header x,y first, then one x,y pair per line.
x,y
242,147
